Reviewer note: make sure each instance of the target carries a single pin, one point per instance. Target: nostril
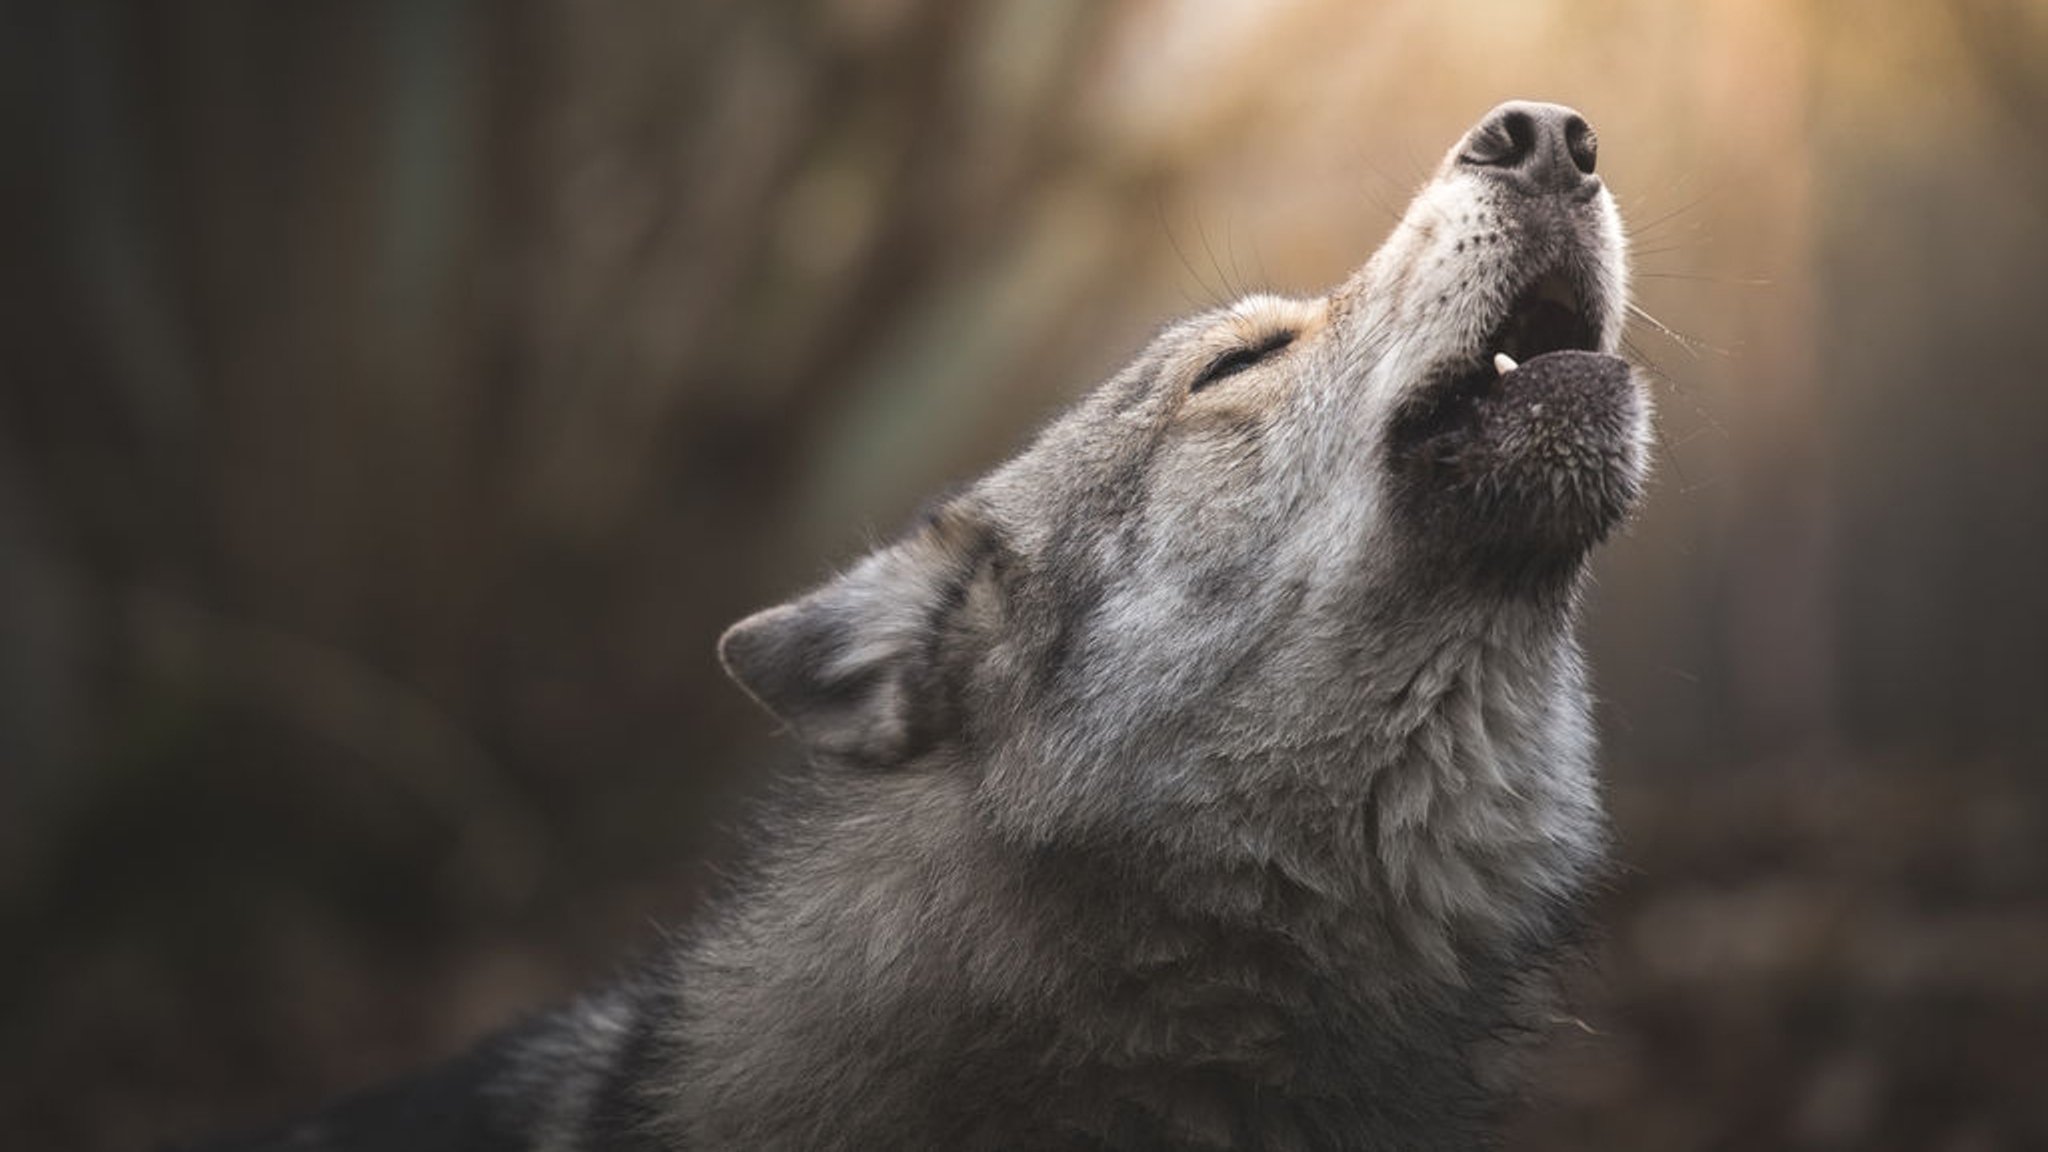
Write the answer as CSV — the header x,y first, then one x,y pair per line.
x,y
1504,142
1521,130
1584,146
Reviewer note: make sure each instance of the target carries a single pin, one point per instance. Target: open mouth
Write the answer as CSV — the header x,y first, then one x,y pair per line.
x,y
1551,315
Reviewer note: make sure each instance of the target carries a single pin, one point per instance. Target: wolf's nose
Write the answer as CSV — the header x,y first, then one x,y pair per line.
x,y
1547,147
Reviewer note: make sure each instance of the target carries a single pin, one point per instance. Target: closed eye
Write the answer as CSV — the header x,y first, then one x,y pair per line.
x,y
1238,359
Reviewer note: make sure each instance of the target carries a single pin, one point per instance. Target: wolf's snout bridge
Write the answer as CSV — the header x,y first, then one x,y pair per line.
x,y
1544,148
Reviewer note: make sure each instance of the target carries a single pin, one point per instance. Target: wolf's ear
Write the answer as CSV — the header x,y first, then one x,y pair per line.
x,y
857,668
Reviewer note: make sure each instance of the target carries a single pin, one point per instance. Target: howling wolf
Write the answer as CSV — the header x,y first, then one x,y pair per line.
x,y
1214,774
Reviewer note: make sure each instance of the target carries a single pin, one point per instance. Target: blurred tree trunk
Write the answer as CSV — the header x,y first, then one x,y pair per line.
x,y
471,347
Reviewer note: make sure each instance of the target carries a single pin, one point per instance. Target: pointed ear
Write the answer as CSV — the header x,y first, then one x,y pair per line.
x,y
859,669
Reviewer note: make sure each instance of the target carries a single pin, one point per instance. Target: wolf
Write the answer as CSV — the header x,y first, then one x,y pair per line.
x,y
1215,774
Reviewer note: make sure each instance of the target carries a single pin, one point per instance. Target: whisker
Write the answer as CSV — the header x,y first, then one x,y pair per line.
x,y
1659,221
1666,250
1689,437
1692,347
1668,452
1201,281
1637,355
1231,290
1745,281
1383,191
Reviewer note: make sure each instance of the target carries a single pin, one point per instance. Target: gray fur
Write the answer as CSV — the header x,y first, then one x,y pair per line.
x,y
1216,773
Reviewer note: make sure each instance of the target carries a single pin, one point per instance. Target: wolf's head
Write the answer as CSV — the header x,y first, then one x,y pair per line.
x,y
1297,544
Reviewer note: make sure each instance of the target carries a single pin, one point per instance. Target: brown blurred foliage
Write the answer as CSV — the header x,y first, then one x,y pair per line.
x,y
396,399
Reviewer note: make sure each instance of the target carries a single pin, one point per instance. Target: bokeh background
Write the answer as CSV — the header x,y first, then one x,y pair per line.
x,y
397,398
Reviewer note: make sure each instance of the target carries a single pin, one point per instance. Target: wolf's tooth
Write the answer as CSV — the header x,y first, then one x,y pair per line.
x,y
1504,363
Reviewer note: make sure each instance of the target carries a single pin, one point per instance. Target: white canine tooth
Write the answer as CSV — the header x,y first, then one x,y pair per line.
x,y
1504,363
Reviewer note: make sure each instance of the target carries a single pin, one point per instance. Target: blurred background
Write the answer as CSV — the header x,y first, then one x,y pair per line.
x,y
397,398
